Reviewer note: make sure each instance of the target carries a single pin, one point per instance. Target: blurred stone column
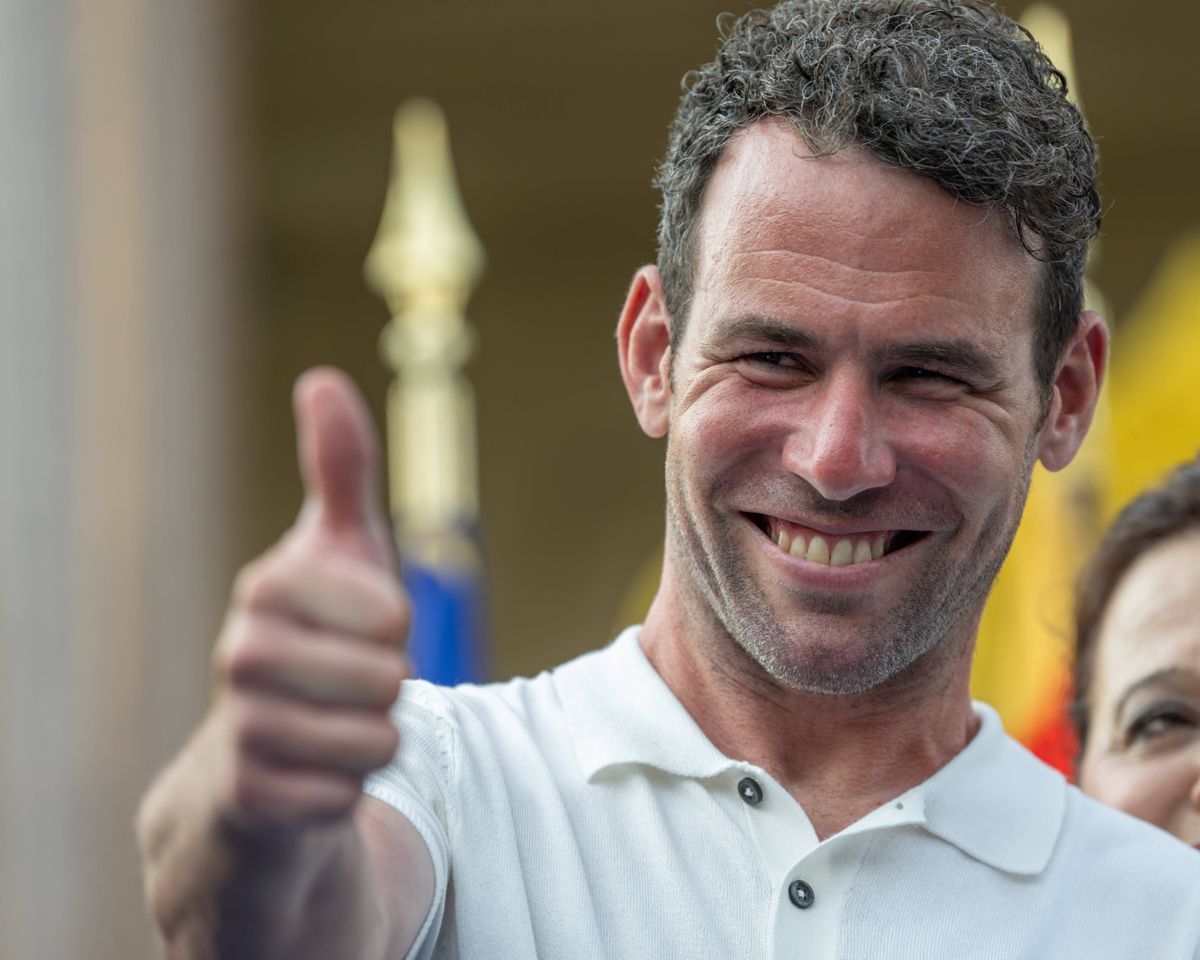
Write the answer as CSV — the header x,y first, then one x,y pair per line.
x,y
118,248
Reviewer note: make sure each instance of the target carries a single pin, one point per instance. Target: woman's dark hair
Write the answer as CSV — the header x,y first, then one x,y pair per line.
x,y
1160,514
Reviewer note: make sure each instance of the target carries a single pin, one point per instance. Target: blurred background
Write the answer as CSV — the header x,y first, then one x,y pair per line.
x,y
188,190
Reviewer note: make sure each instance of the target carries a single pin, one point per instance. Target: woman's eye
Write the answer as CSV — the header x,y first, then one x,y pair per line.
x,y
1158,722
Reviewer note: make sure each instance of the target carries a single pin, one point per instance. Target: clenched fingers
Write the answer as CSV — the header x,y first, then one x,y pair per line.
x,y
265,792
338,741
266,652
336,594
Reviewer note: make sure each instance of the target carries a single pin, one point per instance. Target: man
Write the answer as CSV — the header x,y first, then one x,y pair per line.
x,y
864,329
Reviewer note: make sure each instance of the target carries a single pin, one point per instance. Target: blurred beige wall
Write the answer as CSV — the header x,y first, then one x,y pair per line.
x,y
189,188
118,253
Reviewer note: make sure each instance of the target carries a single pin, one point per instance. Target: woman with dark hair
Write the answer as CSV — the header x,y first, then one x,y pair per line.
x,y
1137,673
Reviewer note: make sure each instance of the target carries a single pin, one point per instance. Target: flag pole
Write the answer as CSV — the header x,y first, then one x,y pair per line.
x,y
424,263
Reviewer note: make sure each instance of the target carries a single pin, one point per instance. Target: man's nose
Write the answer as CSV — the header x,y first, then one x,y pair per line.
x,y
841,448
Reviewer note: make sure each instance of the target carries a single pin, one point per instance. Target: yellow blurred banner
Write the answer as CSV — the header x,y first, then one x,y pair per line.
x,y
1023,657
1149,422
1155,410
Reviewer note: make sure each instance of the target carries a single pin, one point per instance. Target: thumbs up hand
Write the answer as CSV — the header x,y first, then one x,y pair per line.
x,y
310,658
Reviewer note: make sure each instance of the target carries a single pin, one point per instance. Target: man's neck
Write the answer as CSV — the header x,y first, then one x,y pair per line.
x,y
839,756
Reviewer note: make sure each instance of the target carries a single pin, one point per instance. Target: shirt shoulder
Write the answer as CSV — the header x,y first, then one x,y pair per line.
x,y
1113,843
1122,872
452,735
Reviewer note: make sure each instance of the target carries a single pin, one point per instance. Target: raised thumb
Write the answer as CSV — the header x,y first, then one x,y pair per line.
x,y
339,463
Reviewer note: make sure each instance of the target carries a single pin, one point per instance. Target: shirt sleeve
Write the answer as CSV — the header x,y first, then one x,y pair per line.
x,y
416,784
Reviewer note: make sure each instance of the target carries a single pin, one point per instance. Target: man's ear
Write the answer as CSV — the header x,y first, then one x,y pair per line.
x,y
644,351
1076,390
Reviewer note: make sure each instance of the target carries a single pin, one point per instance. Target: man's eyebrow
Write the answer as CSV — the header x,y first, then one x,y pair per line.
x,y
765,329
1168,676
958,354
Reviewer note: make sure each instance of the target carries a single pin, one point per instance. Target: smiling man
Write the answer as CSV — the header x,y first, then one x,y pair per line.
x,y
864,329
852,415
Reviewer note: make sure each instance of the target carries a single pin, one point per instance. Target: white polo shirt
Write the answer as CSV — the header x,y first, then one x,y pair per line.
x,y
583,814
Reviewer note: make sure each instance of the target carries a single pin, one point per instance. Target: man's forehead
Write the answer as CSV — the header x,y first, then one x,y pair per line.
x,y
782,225
769,181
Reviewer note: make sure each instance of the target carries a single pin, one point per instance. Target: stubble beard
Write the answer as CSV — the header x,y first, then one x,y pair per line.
x,y
939,609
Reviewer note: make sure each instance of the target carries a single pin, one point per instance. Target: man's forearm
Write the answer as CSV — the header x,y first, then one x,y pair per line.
x,y
216,891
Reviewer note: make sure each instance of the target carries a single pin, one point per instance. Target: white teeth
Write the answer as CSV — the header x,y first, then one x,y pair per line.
x,y
862,552
843,554
818,551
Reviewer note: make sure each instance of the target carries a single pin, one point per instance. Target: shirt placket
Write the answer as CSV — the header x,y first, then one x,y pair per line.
x,y
810,880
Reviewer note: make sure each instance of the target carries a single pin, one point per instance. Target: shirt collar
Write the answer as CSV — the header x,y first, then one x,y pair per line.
x,y
994,800
620,711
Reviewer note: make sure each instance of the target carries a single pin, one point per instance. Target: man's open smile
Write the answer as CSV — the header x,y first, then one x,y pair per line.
x,y
831,548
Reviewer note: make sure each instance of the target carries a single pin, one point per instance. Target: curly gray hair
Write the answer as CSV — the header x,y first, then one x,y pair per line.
x,y
950,89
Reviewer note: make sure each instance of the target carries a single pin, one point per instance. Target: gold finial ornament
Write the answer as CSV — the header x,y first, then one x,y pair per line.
x,y
425,262
425,251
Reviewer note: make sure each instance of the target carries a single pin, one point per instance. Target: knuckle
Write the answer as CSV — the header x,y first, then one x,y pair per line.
x,y
248,728
351,792
392,614
247,792
336,797
227,653
259,583
248,650
253,658
238,662
223,655
388,739
353,747
391,676
244,583
381,744
332,743
396,616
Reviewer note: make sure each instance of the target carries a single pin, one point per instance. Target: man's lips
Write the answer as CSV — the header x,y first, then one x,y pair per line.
x,y
834,548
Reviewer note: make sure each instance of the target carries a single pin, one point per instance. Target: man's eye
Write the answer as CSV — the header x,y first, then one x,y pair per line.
x,y
925,375
926,384
773,368
772,359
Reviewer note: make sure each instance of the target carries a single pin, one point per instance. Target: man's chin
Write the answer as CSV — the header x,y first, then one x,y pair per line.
x,y
831,680
811,664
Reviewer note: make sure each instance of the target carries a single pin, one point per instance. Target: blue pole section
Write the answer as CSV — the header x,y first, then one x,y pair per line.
x,y
446,643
